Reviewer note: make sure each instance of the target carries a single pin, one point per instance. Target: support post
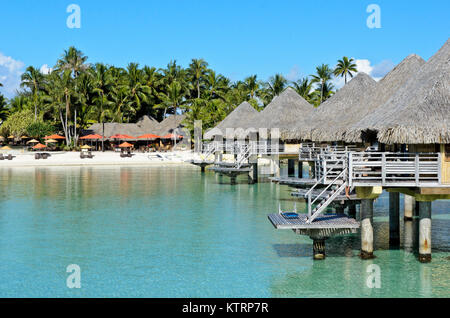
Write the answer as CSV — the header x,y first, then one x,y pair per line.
x,y
366,229
425,232
416,210
253,174
202,168
291,167
352,209
394,218
409,204
319,249
300,169
233,179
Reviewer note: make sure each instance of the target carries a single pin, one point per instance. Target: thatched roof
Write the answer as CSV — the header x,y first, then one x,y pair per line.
x,y
327,122
419,111
284,112
144,125
384,90
241,117
170,124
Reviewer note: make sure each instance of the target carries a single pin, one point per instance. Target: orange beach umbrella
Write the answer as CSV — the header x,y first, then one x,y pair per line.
x,y
125,145
54,137
39,146
119,136
149,136
95,136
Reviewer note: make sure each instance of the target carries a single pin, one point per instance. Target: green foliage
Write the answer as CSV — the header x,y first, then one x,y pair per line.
x,y
40,129
17,123
78,94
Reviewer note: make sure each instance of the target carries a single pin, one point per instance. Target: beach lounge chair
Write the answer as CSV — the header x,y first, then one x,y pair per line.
x,y
90,155
45,155
82,155
10,157
1,157
37,156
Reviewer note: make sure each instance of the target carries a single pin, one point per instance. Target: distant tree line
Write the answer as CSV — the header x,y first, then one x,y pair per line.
x,y
76,94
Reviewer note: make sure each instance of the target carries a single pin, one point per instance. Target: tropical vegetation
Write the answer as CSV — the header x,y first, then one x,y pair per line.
x,y
76,94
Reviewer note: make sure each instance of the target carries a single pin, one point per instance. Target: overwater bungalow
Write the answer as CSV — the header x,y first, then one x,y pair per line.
x,y
412,125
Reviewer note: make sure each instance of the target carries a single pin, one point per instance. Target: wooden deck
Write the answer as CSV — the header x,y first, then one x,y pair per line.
x,y
294,181
332,221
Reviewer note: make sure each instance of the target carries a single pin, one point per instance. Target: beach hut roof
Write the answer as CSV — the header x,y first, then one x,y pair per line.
x,y
145,125
326,122
384,90
419,112
240,117
284,112
171,124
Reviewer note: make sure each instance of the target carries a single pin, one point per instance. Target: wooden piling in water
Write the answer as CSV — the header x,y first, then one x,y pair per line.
x,y
319,249
425,232
300,169
409,206
291,167
394,218
366,229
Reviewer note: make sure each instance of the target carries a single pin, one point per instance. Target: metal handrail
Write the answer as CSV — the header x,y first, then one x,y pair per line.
x,y
317,197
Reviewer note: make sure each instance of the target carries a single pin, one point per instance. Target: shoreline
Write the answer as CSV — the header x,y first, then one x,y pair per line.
x,y
72,159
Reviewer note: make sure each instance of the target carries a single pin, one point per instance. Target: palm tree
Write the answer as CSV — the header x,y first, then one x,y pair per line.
x,y
252,85
277,84
137,90
172,97
75,61
303,87
322,77
33,79
345,67
197,70
3,108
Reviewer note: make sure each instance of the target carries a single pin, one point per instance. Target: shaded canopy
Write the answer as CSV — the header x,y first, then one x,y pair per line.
x,y
241,117
286,111
419,111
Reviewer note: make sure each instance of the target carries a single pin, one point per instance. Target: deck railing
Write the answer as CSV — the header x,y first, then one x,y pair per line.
x,y
394,169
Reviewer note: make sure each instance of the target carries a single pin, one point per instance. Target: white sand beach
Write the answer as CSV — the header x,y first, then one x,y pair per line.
x,y
27,159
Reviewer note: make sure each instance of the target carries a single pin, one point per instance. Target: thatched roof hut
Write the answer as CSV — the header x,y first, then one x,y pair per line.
x,y
384,90
241,117
172,124
145,125
327,122
286,111
419,111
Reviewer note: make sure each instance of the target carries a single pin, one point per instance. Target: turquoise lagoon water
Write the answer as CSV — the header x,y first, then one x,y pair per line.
x,y
172,232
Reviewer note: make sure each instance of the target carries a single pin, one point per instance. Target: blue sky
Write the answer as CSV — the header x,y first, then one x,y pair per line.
x,y
237,38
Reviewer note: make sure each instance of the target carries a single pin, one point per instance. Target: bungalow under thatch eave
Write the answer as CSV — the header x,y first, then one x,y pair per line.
x,y
419,112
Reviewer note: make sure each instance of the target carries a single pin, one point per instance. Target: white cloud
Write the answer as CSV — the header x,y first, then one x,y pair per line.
x,y
45,69
293,73
377,72
10,72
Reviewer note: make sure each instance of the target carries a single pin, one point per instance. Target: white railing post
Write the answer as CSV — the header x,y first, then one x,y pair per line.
x,y
309,205
417,171
350,169
439,166
383,168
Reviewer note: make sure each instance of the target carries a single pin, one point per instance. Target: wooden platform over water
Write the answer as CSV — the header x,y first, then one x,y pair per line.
x,y
294,181
332,221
